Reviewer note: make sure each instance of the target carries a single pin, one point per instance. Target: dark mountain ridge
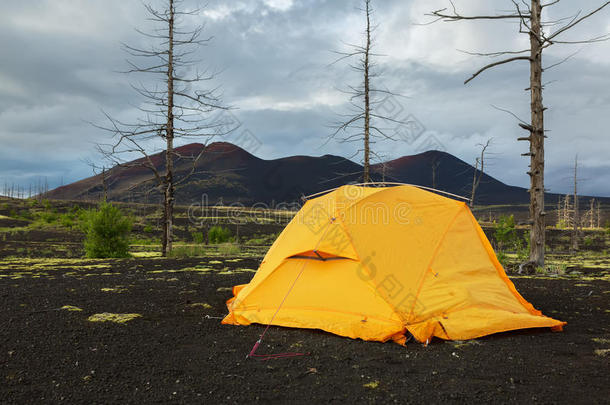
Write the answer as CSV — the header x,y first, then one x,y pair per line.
x,y
228,174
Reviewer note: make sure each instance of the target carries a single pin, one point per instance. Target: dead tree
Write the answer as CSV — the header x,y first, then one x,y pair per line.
x,y
530,22
434,165
180,109
558,212
362,122
478,174
576,215
567,210
103,173
591,213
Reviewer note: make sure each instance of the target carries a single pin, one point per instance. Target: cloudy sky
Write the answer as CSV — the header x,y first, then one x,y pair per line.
x,y
60,62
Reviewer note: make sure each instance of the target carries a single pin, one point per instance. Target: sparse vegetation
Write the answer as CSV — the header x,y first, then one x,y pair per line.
x,y
218,234
188,251
507,239
228,249
198,237
262,240
505,232
502,258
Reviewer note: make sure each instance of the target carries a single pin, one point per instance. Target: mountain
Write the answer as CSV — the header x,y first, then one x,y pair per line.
x,y
443,171
226,174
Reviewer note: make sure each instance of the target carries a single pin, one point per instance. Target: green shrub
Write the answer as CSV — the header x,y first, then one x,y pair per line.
x,y
561,224
107,232
218,234
505,232
588,241
66,221
523,249
48,217
26,214
502,258
559,268
148,229
197,237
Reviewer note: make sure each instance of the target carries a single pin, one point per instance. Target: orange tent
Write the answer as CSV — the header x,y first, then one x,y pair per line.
x,y
376,262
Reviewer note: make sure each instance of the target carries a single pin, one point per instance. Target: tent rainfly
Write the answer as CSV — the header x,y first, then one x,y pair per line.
x,y
377,263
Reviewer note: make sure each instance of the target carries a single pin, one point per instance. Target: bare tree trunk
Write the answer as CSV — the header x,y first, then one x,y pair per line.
x,y
168,205
367,100
558,212
164,224
530,23
537,229
564,211
104,184
592,213
182,111
363,117
476,180
576,215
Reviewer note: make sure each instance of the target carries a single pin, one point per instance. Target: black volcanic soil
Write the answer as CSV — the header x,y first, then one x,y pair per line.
x,y
173,353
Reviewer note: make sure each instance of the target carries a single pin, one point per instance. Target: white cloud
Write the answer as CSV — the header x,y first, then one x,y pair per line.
x,y
274,57
280,5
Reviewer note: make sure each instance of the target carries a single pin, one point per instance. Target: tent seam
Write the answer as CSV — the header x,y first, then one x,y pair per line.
x,y
434,252
259,283
502,274
370,282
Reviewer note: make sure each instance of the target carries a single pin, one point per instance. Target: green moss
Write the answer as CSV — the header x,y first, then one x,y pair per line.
x,y
71,308
118,289
199,305
145,254
602,352
372,385
110,317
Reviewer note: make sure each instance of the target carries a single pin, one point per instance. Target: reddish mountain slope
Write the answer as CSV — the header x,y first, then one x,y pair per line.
x,y
227,173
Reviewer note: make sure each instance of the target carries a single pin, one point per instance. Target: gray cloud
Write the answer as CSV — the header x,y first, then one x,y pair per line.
x,y
60,63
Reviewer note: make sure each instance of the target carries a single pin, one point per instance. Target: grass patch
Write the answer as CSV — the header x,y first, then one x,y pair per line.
x,y
188,251
109,317
229,249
